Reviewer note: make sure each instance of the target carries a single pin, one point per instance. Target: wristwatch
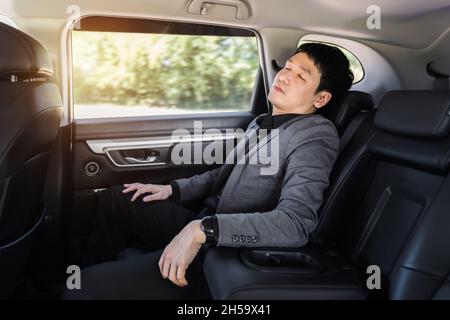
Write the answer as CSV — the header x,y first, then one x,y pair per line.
x,y
210,227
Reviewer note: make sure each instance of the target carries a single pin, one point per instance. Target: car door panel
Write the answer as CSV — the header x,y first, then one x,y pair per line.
x,y
108,152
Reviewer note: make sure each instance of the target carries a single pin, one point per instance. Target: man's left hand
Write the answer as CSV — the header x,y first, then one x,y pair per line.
x,y
180,253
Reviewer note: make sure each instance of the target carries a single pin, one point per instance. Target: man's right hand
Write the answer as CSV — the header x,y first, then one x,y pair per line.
x,y
157,191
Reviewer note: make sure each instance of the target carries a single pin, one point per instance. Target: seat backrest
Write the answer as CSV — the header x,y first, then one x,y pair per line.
x,y
342,114
395,215
30,113
354,121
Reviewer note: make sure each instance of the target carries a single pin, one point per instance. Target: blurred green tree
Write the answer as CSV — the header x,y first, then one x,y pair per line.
x,y
195,72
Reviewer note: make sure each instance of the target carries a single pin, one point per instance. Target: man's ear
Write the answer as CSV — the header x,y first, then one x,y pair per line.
x,y
322,99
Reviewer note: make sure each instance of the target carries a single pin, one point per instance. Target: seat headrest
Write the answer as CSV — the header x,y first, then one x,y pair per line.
x,y
422,114
341,114
21,55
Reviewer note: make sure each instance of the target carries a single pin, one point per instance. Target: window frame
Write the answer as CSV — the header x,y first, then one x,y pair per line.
x,y
69,102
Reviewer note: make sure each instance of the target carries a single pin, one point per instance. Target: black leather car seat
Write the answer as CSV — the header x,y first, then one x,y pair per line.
x,y
391,210
30,113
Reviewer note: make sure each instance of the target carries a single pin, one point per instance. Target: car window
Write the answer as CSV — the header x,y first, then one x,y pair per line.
x,y
355,64
120,74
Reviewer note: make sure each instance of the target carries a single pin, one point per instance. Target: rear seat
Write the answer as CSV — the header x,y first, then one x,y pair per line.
x,y
392,193
351,167
403,220
387,205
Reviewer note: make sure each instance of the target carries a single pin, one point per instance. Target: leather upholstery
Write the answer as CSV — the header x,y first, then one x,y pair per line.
x,y
349,179
229,278
30,113
341,115
399,224
387,205
22,55
28,106
432,155
413,126
424,114
422,270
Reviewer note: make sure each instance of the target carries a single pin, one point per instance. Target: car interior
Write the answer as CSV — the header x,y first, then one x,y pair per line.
x,y
387,204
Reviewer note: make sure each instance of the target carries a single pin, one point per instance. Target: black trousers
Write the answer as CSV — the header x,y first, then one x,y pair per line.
x,y
121,223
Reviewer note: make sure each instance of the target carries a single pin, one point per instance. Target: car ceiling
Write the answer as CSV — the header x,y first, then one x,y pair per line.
x,y
408,23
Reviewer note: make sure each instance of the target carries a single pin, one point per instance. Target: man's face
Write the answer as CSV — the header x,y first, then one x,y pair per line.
x,y
294,87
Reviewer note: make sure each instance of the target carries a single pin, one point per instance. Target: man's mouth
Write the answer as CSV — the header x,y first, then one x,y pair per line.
x,y
277,88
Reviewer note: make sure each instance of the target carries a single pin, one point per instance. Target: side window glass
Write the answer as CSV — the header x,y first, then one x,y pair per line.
x,y
122,74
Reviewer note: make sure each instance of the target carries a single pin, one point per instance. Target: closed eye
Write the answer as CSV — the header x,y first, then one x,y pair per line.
x,y
299,75
303,77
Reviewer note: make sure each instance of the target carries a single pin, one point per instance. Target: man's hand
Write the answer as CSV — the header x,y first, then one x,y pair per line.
x,y
180,253
158,191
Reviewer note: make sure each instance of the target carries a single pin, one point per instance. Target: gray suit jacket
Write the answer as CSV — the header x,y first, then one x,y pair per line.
x,y
277,210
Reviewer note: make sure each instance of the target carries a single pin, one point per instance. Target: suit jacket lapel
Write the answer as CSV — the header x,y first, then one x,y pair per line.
x,y
230,161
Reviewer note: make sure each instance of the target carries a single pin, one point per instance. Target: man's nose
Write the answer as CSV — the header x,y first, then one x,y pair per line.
x,y
285,76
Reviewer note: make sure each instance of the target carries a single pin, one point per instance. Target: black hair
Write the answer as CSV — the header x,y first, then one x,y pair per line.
x,y
334,67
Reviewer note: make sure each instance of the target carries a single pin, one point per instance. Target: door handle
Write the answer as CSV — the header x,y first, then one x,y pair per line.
x,y
148,159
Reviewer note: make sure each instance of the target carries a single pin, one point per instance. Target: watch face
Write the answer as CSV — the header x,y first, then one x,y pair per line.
x,y
208,229
207,225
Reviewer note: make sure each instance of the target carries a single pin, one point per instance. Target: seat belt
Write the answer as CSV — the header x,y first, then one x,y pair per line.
x,y
351,129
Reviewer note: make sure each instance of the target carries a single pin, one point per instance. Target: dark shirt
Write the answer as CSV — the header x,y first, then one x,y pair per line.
x,y
269,121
